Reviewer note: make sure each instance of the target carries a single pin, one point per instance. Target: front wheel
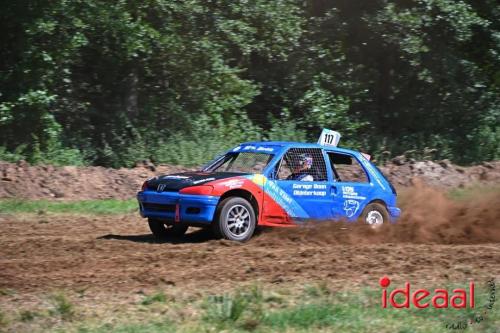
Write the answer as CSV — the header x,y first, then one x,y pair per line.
x,y
162,231
235,219
375,215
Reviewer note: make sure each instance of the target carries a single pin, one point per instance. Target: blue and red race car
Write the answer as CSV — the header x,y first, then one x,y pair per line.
x,y
269,184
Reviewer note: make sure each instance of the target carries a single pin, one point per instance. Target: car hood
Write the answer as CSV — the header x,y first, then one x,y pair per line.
x,y
178,181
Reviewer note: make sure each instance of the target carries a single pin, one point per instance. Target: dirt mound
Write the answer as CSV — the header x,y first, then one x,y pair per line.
x,y
22,180
430,217
402,170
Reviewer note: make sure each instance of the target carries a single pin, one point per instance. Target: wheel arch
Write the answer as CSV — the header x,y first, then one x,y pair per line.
x,y
247,195
379,201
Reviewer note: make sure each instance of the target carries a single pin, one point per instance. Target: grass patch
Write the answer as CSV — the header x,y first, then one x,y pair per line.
x,y
473,191
164,326
6,292
159,297
303,316
315,310
86,207
253,309
243,310
62,307
27,315
3,320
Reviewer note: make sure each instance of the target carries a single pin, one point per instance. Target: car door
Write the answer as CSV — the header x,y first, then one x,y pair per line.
x,y
301,198
350,187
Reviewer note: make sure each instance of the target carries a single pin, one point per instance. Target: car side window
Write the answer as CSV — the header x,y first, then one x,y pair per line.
x,y
302,164
346,168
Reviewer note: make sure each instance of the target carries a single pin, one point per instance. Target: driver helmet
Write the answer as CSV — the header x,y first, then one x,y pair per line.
x,y
305,161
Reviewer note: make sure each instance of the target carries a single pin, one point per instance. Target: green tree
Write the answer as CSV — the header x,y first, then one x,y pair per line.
x,y
95,82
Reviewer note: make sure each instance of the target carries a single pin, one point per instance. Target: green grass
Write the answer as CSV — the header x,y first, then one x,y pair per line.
x,y
319,311
106,206
27,315
473,191
158,297
3,321
62,307
294,310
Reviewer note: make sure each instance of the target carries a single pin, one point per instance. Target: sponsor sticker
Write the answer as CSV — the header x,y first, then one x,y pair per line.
x,y
233,183
351,207
203,180
259,149
174,177
349,192
309,190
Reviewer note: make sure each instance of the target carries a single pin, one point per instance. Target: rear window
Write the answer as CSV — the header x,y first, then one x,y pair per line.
x,y
385,177
346,168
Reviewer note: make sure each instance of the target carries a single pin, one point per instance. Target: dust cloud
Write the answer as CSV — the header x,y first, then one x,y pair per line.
x,y
429,217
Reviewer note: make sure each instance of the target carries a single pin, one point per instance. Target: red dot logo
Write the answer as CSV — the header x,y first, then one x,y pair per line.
x,y
384,282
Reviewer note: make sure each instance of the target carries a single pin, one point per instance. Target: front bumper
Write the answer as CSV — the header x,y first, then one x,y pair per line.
x,y
176,207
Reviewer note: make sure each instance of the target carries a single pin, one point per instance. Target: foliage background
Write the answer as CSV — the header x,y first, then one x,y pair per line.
x,y
94,82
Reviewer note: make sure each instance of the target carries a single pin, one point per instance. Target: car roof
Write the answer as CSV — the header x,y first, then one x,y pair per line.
x,y
293,144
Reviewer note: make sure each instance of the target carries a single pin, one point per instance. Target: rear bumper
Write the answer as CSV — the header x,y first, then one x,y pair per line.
x,y
394,213
176,207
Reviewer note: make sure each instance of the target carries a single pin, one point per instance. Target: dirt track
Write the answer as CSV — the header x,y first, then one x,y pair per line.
x,y
448,241
119,255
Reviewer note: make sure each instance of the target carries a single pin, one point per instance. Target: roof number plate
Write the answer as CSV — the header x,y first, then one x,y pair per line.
x,y
329,138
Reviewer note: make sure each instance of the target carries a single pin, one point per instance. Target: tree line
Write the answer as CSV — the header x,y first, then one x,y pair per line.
x,y
110,83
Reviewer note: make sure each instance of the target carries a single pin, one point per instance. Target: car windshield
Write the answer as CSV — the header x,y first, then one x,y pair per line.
x,y
241,162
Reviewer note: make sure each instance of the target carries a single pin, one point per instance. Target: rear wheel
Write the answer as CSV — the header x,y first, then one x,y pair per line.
x,y
162,231
375,215
235,219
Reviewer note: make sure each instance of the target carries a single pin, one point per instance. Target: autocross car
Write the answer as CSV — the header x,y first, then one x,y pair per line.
x,y
269,184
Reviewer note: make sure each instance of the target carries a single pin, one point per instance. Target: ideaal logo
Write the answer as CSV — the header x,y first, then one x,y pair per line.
x,y
458,298
439,298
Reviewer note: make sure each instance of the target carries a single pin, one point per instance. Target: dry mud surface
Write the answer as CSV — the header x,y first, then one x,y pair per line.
x,y
436,240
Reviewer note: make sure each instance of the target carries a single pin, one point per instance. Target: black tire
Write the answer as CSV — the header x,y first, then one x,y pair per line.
x,y
225,224
375,210
162,231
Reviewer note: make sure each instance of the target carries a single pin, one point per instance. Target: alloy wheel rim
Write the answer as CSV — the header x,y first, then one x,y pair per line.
x,y
374,218
238,220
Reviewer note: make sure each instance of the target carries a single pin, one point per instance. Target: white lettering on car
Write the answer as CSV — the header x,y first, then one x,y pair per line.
x,y
203,180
